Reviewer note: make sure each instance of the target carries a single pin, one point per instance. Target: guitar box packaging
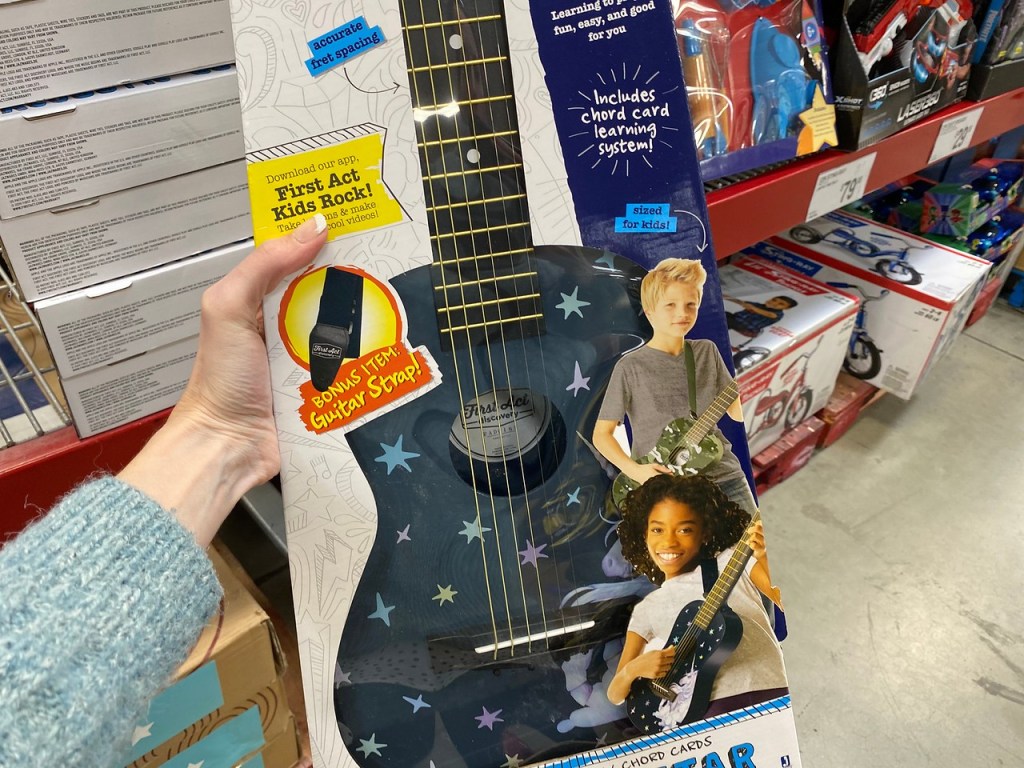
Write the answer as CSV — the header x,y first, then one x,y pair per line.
x,y
69,149
125,232
788,368
124,348
496,178
55,48
915,294
227,699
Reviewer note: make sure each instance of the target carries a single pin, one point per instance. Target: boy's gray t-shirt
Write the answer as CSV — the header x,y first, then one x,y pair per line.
x,y
649,386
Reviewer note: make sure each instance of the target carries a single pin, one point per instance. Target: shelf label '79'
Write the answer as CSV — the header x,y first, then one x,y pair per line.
x,y
840,186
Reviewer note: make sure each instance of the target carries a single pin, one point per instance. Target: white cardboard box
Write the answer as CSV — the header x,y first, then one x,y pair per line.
x,y
114,321
788,370
125,350
903,329
119,234
59,47
67,150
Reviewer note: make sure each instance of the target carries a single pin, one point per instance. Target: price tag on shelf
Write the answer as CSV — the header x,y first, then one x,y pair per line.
x,y
838,186
955,134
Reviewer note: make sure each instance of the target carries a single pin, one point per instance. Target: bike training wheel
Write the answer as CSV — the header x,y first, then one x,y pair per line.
x,y
805,235
799,409
898,271
863,360
748,358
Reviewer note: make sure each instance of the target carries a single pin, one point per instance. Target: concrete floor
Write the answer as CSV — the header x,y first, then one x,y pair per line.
x,y
899,553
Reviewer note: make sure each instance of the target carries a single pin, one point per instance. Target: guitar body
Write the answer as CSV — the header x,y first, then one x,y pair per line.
x,y
675,452
499,500
709,649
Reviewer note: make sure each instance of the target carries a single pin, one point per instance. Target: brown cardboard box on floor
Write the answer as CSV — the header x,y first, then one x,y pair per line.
x,y
235,666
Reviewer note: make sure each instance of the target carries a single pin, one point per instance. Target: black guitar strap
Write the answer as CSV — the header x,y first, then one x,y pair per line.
x,y
709,573
691,378
336,334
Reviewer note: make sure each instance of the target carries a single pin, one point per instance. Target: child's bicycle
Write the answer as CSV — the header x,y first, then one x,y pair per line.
x,y
863,357
890,250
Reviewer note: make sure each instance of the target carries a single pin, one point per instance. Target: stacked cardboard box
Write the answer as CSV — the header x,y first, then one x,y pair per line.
x,y
227,703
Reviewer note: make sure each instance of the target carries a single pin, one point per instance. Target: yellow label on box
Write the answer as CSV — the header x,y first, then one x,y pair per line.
x,y
342,182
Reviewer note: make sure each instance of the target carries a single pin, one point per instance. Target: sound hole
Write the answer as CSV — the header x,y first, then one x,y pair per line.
x,y
507,441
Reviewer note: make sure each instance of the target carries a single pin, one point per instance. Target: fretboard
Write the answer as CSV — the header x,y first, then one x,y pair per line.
x,y
702,426
469,149
727,579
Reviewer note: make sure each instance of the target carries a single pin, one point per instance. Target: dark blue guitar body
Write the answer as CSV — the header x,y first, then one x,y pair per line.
x,y
703,652
414,681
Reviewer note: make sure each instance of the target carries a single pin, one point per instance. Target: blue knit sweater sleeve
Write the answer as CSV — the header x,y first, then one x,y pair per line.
x,y
100,601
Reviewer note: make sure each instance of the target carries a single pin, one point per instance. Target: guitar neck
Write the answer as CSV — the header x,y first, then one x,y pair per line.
x,y
710,417
460,79
727,579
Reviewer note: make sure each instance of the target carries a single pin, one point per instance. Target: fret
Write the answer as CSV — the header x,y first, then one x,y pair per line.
x,y
481,246
433,109
478,257
492,323
488,303
454,22
474,138
474,187
480,230
485,281
447,66
473,172
502,199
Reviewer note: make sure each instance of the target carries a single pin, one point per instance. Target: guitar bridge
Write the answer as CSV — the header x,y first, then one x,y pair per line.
x,y
660,690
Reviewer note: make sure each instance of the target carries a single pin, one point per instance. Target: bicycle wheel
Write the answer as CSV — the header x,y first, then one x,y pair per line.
x,y
805,234
863,360
799,409
898,271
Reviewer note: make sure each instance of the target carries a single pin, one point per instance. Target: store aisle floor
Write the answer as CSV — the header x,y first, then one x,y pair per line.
x,y
899,553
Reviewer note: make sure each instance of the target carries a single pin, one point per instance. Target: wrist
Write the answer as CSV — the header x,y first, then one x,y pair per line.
x,y
196,472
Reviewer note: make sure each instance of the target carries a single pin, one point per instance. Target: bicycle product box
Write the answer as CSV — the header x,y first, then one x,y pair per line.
x,y
59,47
916,61
70,149
124,349
485,169
904,328
785,369
83,244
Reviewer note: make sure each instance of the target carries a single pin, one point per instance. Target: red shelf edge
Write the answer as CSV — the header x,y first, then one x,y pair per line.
x,y
751,210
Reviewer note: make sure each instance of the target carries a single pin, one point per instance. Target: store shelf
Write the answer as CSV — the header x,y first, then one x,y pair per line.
x,y
35,474
751,210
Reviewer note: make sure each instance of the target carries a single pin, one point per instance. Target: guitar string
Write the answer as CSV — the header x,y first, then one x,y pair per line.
x,y
715,411
512,123
539,334
421,131
720,591
460,285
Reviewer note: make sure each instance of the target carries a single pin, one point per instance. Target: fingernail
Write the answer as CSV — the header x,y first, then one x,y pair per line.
x,y
310,228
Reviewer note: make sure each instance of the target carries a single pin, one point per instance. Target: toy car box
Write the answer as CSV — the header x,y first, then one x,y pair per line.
x,y
59,47
915,294
125,232
891,71
124,349
786,369
71,149
496,178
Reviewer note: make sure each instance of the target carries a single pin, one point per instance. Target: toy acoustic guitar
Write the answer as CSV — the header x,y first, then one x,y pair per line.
x,y
705,633
686,446
457,649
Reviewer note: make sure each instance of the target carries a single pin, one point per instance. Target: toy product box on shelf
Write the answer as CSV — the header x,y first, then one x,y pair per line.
x,y
789,337
789,454
70,149
757,83
895,63
59,47
998,58
226,702
118,234
124,349
849,397
915,293
496,179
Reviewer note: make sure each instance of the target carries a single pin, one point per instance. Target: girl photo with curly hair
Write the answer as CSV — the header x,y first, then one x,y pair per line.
x,y
689,538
